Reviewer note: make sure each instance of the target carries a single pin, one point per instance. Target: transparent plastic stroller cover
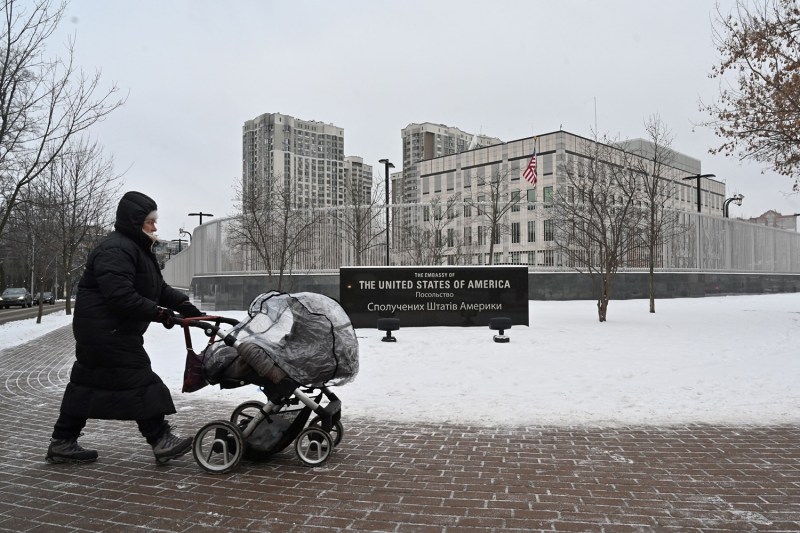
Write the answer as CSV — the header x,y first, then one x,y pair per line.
x,y
307,335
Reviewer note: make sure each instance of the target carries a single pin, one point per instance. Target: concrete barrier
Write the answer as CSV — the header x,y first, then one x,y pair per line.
x,y
236,291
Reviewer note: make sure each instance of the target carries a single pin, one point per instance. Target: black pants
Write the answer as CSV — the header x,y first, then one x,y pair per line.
x,y
68,427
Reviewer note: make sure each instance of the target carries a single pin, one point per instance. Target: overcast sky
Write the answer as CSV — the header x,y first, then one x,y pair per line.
x,y
195,71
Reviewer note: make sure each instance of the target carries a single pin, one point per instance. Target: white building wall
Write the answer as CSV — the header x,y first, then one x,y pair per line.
x,y
458,174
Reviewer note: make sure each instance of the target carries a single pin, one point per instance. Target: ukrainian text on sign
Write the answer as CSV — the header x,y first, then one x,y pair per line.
x,y
434,296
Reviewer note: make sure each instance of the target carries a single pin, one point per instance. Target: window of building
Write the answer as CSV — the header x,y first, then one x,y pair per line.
x,y
515,258
468,235
480,236
547,195
531,258
498,258
531,194
548,230
531,231
450,236
515,232
515,201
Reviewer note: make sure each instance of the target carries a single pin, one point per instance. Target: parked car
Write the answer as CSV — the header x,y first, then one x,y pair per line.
x,y
47,297
16,296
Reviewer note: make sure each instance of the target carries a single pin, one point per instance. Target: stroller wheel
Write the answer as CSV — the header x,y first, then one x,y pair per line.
x,y
218,447
313,446
336,432
245,412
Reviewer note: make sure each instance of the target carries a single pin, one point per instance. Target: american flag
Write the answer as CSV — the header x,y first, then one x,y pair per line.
x,y
530,171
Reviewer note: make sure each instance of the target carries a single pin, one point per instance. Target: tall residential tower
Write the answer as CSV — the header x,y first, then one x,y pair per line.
x,y
306,155
427,141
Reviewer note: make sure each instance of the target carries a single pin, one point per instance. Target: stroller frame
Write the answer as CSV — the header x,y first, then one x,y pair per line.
x,y
219,446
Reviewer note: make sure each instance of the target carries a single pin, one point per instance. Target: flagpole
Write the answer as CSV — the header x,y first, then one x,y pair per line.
x,y
535,151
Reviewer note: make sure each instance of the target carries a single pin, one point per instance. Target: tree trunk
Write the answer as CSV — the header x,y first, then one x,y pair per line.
x,y
605,296
651,289
602,308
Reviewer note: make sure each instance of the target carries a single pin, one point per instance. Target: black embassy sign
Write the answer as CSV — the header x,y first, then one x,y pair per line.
x,y
434,296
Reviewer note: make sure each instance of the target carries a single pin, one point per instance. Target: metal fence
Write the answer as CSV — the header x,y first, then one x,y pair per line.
x,y
436,234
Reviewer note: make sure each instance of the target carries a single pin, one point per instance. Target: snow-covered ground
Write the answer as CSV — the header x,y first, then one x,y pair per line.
x,y
721,360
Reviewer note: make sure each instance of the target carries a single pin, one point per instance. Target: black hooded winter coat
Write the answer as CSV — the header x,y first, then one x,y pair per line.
x,y
118,296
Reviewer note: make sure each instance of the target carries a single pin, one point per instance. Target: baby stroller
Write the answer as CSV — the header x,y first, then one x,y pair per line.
x,y
293,347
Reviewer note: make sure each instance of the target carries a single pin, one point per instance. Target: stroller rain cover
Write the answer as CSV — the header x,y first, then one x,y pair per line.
x,y
308,335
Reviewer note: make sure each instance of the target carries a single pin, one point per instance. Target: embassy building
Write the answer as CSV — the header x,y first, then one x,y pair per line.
x,y
529,239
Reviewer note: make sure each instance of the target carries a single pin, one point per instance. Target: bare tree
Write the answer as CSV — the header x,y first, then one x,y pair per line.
x,y
433,239
759,114
43,247
493,202
658,189
43,102
80,190
32,240
272,233
360,220
596,218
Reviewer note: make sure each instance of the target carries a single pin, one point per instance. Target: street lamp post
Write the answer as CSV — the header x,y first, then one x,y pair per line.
x,y
201,215
387,165
182,231
736,198
698,177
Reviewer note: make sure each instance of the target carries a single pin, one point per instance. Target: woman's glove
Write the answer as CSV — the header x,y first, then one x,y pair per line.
x,y
187,310
165,317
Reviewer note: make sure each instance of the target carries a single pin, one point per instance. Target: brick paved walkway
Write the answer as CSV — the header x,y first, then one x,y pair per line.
x,y
391,477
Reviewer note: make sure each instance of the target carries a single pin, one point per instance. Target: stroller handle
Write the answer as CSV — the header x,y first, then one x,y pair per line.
x,y
211,329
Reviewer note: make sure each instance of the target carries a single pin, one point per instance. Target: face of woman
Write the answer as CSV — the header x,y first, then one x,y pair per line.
x,y
149,225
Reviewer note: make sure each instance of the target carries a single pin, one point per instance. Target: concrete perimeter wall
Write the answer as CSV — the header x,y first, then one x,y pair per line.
x,y
236,291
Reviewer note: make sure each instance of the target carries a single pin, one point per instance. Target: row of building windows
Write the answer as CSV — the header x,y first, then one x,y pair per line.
x,y
448,236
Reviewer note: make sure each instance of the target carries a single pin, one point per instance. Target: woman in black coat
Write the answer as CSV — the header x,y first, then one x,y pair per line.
x,y
120,293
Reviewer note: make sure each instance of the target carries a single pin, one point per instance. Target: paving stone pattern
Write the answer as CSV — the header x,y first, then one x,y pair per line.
x,y
393,477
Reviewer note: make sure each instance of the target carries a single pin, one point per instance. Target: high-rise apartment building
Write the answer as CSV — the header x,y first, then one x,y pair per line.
x,y
305,155
357,181
427,141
